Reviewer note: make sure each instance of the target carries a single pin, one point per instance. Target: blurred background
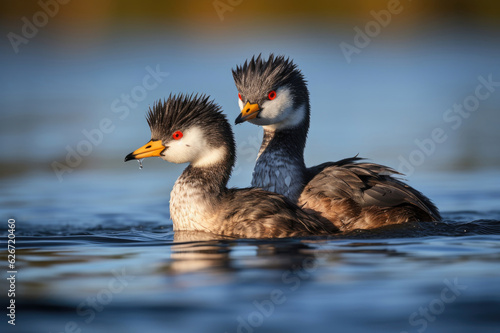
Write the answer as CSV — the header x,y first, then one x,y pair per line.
x,y
387,79
71,67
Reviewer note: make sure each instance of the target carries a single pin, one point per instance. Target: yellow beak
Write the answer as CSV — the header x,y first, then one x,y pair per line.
x,y
150,149
249,111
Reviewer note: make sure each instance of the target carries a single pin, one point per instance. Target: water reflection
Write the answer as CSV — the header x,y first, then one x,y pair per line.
x,y
197,251
172,278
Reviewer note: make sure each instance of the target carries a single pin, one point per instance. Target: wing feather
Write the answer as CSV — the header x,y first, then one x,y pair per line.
x,y
367,184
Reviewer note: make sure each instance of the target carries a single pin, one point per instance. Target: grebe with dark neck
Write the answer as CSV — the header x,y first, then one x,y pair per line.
x,y
192,129
351,194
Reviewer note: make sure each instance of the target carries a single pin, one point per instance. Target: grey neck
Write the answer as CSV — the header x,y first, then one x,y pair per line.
x,y
280,165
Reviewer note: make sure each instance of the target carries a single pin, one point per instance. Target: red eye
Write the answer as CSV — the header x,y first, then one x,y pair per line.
x,y
239,96
272,95
177,135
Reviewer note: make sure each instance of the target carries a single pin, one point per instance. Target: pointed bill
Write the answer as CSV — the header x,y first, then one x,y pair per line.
x,y
249,111
150,149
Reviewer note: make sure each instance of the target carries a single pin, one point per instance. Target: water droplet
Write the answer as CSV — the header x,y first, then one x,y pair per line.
x,y
140,163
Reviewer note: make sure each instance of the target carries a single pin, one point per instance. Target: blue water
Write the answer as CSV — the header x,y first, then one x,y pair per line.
x,y
72,245
95,248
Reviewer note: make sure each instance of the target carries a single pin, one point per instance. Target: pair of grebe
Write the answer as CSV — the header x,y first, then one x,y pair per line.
x,y
287,199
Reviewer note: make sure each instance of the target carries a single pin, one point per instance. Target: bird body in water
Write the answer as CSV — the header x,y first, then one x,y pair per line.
x,y
192,129
350,193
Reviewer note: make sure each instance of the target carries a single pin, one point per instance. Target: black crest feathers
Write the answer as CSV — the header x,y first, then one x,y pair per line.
x,y
182,111
274,72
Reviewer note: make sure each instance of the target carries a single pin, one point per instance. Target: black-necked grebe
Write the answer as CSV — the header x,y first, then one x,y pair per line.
x,y
192,129
351,194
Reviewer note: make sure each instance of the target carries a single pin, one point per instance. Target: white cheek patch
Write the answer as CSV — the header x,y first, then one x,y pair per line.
x,y
210,157
185,149
240,103
295,118
279,112
278,108
193,148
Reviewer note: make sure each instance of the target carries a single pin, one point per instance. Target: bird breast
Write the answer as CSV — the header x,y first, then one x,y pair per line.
x,y
277,173
190,206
